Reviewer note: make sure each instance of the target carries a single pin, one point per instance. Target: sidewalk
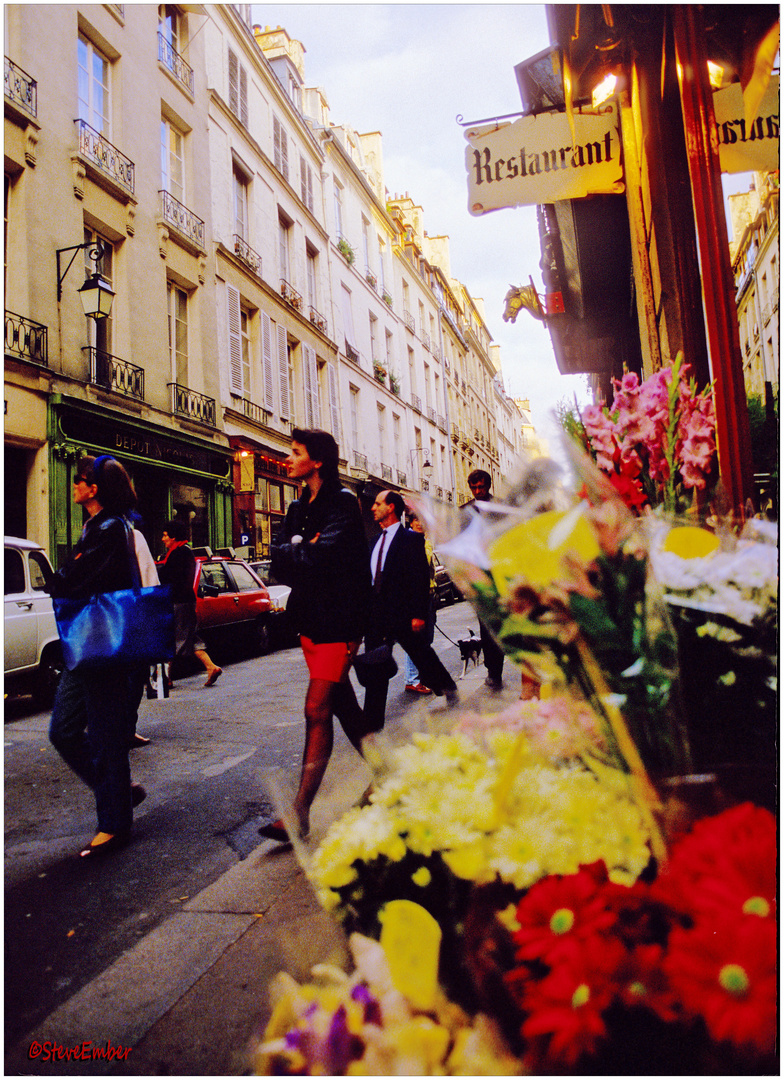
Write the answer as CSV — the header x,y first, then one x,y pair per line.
x,y
188,998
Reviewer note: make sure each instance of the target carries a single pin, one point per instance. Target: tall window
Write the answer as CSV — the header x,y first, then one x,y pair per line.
x,y
396,437
348,325
93,86
238,88
99,330
240,204
388,350
426,379
381,281
382,432
338,210
280,146
172,168
354,406
284,230
306,183
170,26
374,355
310,263
366,243
178,332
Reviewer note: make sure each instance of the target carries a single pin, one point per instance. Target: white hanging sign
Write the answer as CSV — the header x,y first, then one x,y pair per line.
x,y
747,147
534,160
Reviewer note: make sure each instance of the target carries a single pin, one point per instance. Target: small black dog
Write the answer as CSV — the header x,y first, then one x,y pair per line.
x,y
470,650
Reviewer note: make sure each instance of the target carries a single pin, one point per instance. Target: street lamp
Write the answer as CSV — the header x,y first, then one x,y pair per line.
x,y
96,294
426,468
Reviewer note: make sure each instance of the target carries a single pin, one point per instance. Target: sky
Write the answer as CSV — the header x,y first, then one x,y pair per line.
x,y
408,71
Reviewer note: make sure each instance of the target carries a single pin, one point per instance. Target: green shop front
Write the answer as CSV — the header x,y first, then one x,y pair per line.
x,y
175,475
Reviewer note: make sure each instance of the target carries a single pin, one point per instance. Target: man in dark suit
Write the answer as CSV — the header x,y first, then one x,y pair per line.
x,y
399,606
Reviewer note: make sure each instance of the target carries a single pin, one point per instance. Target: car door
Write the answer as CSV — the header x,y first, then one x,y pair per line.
x,y
20,629
216,608
252,596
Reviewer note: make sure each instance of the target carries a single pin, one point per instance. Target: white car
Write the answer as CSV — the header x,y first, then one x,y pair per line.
x,y
33,657
279,595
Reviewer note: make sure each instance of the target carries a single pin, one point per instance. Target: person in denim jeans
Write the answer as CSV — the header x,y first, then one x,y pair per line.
x,y
91,717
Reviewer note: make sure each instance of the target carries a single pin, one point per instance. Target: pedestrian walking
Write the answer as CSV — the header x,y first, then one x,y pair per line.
x,y
322,554
91,715
178,569
148,575
480,483
414,684
400,605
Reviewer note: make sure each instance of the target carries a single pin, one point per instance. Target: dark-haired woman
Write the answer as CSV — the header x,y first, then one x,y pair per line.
x,y
91,718
322,553
178,569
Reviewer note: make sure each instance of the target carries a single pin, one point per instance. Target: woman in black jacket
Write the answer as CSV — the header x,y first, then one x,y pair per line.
x,y
322,554
178,569
91,717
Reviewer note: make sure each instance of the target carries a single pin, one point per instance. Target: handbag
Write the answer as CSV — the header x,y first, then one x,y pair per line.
x,y
127,626
376,665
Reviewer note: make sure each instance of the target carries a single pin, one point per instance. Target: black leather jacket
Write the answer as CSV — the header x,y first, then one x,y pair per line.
x,y
329,579
100,562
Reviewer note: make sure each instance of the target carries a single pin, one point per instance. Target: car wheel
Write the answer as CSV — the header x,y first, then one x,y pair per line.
x,y
49,671
261,637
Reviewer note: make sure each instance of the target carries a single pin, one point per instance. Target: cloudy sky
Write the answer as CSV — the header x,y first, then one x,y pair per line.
x,y
408,70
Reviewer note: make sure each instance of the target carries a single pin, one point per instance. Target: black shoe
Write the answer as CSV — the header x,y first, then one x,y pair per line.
x,y
138,794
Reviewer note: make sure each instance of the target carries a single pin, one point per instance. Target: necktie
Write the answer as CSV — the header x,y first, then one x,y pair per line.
x,y
377,575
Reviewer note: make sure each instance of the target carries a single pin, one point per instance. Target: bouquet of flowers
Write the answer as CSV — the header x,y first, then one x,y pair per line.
x,y
656,442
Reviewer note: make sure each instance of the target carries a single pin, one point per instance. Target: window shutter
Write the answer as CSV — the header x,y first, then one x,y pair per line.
x,y
284,153
310,379
303,180
235,340
334,412
283,373
243,113
276,153
266,358
234,92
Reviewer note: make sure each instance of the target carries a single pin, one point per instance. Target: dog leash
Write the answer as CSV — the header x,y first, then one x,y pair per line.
x,y
448,638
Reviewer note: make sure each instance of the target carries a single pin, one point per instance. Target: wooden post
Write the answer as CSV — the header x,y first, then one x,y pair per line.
x,y
732,420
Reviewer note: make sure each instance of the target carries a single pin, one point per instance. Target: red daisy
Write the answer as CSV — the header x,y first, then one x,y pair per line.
x,y
726,973
560,910
644,983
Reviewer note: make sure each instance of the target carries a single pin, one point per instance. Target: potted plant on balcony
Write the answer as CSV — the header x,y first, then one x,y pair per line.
x,y
370,278
394,384
387,299
346,250
380,372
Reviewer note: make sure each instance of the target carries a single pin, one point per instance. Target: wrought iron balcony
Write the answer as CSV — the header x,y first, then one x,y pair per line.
x,y
352,353
441,421
105,157
425,484
290,295
20,88
416,403
111,373
409,320
26,340
431,414
182,219
449,496
401,478
172,60
455,432
255,413
439,493
195,406
360,461
386,472
245,252
425,338
319,320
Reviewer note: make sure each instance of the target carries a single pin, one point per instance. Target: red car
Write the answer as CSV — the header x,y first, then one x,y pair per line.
x,y
231,600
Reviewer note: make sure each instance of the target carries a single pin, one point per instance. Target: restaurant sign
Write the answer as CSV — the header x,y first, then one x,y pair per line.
x,y
536,160
744,146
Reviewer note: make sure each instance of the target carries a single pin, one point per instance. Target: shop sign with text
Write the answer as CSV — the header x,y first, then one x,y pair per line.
x,y
743,146
535,160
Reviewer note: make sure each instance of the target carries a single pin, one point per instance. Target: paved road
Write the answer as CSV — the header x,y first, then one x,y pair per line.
x,y
208,772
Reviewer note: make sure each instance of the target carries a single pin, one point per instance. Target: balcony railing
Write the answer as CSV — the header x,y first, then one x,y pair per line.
x,y
111,373
172,60
26,340
416,403
195,406
352,353
106,158
246,254
439,493
441,421
424,483
360,461
182,219
409,321
255,413
425,338
401,478
386,472
21,88
455,432
431,414
290,295
319,321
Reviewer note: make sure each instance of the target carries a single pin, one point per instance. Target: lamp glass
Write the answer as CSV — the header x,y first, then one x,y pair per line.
x,y
97,297
427,468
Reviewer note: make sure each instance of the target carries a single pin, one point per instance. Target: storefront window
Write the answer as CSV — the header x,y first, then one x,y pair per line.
x,y
190,504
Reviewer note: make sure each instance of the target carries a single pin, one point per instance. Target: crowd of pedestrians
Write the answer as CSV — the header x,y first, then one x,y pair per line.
x,y
343,591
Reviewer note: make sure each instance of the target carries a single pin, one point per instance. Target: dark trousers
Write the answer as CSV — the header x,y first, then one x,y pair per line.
x,y
431,671
492,652
90,729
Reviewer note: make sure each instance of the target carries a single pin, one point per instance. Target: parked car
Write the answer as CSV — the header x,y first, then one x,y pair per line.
x,y
446,590
33,657
231,602
282,633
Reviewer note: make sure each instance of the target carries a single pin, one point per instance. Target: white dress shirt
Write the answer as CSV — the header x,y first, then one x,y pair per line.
x,y
388,534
